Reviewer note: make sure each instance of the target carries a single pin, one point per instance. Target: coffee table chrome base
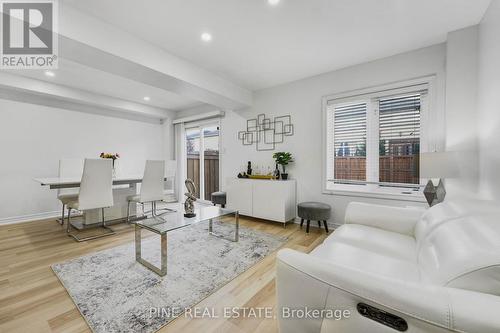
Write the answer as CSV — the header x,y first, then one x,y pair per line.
x,y
162,271
236,231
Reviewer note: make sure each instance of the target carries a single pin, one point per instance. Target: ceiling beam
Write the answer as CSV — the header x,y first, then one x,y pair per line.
x,y
94,43
14,86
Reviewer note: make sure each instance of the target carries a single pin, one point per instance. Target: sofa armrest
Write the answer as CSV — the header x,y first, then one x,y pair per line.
x,y
307,281
397,219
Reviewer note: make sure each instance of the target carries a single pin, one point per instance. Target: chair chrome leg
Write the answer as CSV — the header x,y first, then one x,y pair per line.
x,y
128,211
109,231
136,217
68,226
153,208
62,215
167,209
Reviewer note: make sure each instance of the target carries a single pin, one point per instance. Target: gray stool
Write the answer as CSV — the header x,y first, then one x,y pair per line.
x,y
315,211
219,198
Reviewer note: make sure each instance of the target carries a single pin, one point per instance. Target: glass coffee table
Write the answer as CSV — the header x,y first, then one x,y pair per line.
x,y
171,221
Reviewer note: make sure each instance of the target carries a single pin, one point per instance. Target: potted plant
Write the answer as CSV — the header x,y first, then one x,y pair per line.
x,y
283,158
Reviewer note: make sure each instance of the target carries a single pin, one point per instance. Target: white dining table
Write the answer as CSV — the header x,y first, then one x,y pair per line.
x,y
123,186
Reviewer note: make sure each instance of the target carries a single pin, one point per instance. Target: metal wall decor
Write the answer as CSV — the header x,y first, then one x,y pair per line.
x,y
266,133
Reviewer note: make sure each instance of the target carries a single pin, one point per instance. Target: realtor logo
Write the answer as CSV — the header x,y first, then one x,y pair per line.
x,y
29,38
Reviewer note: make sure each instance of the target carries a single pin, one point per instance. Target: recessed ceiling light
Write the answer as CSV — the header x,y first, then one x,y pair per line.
x,y
146,98
49,73
206,37
273,2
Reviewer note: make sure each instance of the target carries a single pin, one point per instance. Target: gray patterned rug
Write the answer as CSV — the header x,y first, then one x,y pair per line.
x,y
114,293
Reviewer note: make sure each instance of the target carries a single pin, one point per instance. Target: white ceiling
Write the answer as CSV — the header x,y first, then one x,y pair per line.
x,y
258,46
75,75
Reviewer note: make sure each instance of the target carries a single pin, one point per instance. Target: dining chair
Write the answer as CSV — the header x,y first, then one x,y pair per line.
x,y
152,187
96,192
170,174
69,168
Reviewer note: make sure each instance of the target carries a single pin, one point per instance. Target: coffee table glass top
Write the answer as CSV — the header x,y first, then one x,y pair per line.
x,y
175,220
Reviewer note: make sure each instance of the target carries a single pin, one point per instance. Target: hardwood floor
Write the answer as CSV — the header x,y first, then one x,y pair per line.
x,y
33,300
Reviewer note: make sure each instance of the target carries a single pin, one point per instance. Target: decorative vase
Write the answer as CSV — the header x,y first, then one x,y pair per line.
x,y
284,176
249,168
277,172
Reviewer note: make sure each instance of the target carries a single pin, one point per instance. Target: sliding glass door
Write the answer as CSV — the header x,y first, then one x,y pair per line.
x,y
202,154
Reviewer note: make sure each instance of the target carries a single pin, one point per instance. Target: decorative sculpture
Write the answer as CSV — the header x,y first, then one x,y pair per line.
x,y
191,198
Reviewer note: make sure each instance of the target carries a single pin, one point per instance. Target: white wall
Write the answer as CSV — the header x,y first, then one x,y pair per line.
x,y
488,102
302,100
461,109
33,138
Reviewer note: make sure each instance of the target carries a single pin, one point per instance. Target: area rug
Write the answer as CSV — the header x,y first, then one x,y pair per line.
x,y
114,293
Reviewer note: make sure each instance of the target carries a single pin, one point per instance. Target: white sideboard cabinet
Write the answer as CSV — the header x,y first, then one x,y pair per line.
x,y
273,200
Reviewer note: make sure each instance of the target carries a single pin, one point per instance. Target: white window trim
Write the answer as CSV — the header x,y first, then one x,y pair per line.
x,y
428,142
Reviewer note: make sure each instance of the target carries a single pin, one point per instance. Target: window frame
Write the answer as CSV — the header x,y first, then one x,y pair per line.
x,y
372,96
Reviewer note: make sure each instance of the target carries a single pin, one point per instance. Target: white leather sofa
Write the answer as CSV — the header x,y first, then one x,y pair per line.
x,y
437,270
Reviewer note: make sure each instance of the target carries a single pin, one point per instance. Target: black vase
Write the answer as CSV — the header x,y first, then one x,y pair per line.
x,y
277,172
284,176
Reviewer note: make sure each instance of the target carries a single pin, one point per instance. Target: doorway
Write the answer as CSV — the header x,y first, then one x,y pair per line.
x,y
202,158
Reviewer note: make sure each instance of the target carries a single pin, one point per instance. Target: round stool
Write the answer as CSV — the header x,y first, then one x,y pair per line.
x,y
315,211
219,198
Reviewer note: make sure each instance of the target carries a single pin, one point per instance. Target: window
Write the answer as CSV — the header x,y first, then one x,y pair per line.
x,y
399,139
373,139
350,141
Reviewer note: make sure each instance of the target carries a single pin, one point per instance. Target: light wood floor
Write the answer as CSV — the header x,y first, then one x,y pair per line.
x,y
33,300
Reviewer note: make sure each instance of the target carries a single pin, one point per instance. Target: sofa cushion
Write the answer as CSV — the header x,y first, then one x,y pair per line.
x,y
376,240
361,259
463,253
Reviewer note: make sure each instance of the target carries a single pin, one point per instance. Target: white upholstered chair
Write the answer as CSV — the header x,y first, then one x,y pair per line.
x,y
69,168
152,187
96,192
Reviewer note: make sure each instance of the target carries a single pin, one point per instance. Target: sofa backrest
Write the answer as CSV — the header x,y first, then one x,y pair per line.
x,y
438,214
451,210
458,245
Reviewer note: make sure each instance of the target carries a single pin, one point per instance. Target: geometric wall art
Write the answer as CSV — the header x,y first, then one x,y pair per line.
x,y
266,133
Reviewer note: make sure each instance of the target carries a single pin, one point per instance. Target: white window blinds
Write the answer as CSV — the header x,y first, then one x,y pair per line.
x,y
350,141
399,135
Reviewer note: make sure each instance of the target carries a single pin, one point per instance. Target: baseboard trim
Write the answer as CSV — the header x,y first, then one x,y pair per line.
x,y
29,218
